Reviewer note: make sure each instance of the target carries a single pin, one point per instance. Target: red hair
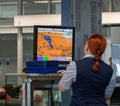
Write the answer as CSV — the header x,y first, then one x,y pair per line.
x,y
97,45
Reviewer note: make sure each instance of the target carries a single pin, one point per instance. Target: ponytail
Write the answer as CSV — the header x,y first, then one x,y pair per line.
x,y
96,66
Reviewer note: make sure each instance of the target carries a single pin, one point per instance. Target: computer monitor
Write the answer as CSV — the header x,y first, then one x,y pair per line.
x,y
53,43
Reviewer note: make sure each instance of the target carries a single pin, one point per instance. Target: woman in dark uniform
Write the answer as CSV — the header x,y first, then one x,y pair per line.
x,y
91,79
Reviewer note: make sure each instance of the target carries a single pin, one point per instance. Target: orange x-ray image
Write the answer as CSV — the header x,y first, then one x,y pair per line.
x,y
54,45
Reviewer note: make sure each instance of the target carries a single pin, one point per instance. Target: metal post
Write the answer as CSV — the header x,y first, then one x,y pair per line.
x,y
29,99
24,96
19,40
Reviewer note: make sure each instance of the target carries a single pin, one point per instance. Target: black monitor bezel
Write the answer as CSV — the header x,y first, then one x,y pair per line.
x,y
49,26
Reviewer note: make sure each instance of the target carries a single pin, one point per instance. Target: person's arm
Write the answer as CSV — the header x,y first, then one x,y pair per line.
x,y
61,88
110,88
68,77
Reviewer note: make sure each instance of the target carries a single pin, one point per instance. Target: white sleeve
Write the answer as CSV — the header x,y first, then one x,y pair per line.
x,y
110,87
69,76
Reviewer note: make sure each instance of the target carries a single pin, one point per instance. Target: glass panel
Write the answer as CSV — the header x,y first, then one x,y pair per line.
x,y
116,58
8,54
56,6
116,6
27,45
8,9
34,7
105,5
110,5
14,89
106,31
42,93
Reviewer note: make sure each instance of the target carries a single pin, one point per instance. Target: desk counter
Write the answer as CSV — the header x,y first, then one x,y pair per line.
x,y
37,76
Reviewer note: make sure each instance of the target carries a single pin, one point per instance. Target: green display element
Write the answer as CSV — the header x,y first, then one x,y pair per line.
x,y
45,58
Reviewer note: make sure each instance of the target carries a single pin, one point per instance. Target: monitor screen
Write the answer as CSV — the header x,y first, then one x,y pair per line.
x,y
53,43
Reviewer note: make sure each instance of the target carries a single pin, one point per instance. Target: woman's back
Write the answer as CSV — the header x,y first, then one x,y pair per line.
x,y
90,84
91,79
